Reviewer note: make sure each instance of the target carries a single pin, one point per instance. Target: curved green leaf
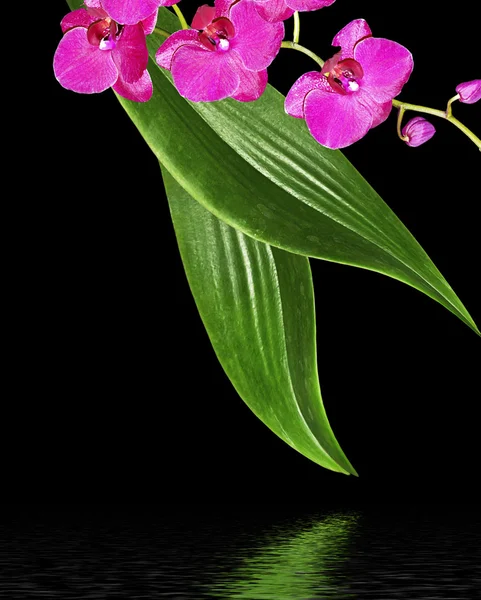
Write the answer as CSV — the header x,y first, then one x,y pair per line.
x,y
257,304
261,172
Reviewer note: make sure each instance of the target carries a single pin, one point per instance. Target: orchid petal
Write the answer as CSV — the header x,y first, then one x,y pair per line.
x,y
470,91
150,22
95,8
334,120
204,16
130,12
81,67
131,55
204,76
308,5
251,83
166,51
256,40
222,7
138,91
379,112
387,66
418,131
350,35
294,103
274,10
77,18
93,4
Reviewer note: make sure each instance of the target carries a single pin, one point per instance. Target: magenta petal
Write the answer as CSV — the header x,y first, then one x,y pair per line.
x,y
470,91
256,40
273,10
77,18
350,35
139,91
150,22
130,12
164,54
379,112
418,131
204,16
251,84
203,76
222,7
93,3
294,103
387,66
131,55
307,5
334,120
81,67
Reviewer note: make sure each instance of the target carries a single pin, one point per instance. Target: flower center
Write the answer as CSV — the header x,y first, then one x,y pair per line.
x,y
216,35
104,34
344,76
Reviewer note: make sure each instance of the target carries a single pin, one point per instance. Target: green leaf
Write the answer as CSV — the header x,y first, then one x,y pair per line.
x,y
257,305
260,171
268,188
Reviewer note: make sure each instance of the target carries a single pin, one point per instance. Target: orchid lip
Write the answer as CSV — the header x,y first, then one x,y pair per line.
x,y
216,35
345,75
104,34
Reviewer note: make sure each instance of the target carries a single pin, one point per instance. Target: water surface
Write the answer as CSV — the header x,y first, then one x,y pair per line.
x,y
253,554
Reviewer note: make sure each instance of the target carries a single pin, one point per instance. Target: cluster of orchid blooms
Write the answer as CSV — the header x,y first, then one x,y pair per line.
x,y
226,52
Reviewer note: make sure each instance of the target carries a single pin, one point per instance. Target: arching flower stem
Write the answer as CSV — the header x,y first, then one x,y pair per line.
x,y
181,17
449,106
296,46
297,27
444,114
399,123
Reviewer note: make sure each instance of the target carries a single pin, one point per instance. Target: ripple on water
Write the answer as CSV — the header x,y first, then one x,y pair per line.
x,y
341,555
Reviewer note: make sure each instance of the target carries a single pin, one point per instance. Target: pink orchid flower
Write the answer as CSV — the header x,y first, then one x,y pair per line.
x,y
470,91
130,12
354,90
225,55
97,53
280,10
417,131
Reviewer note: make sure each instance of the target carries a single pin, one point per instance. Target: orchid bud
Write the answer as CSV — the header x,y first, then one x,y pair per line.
x,y
417,131
469,92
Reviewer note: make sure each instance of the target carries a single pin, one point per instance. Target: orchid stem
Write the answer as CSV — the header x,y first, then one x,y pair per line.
x,y
439,113
296,46
160,31
297,27
449,109
399,122
181,17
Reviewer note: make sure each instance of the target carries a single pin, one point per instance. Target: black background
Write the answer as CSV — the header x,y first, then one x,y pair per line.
x,y
117,393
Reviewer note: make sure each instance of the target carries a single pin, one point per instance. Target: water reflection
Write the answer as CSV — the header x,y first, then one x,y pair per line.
x,y
366,555
301,561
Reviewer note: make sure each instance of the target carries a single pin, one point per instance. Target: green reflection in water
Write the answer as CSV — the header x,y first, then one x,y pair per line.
x,y
301,562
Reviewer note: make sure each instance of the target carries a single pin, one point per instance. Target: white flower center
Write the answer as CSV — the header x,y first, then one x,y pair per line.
x,y
223,44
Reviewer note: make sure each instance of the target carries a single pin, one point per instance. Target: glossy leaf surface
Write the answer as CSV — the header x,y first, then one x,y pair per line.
x,y
260,171
257,305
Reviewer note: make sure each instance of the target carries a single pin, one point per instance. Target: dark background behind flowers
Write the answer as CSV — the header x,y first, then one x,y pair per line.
x,y
117,393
